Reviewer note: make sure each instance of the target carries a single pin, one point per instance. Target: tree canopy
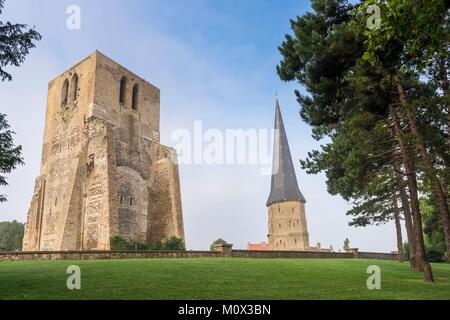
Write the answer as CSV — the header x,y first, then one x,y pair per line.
x,y
10,155
11,235
380,105
16,40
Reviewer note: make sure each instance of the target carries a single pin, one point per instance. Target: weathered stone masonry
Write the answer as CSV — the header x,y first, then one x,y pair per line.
x,y
103,170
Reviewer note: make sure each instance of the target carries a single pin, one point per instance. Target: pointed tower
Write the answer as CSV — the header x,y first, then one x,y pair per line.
x,y
286,204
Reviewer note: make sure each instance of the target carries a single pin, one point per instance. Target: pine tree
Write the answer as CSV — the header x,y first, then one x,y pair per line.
x,y
368,111
15,44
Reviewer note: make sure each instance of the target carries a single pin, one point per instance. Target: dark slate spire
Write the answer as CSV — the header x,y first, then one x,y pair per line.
x,y
284,182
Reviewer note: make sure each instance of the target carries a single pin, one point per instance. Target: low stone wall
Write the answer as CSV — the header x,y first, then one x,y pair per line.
x,y
92,255
377,255
291,254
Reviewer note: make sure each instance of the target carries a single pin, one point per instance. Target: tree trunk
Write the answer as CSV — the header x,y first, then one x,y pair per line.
x,y
398,226
408,219
422,264
406,211
429,169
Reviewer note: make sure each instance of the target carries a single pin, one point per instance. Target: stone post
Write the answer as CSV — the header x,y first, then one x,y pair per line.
x,y
224,248
354,251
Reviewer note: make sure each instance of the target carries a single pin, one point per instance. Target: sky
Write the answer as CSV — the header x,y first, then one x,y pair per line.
x,y
215,62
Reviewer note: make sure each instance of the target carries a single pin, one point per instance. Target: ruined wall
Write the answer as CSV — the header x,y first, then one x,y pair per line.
x,y
165,213
58,186
99,161
288,226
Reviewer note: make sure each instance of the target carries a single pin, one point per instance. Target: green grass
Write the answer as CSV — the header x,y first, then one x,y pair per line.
x,y
219,279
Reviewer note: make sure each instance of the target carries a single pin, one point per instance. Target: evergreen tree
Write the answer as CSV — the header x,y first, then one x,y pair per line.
x,y
15,44
10,155
368,111
11,235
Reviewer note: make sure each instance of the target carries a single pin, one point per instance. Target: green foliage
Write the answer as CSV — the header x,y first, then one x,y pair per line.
x,y
406,251
434,254
348,71
172,244
218,241
346,244
10,155
11,235
118,243
418,28
16,42
435,248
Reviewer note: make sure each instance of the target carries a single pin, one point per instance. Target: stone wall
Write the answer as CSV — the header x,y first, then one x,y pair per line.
x,y
291,254
377,255
105,255
92,255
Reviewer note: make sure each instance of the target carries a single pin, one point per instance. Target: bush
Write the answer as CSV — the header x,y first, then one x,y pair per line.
x,y
173,244
218,241
406,251
432,254
11,235
118,243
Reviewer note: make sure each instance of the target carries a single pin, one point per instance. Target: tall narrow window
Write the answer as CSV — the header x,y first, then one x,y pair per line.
x,y
123,88
135,98
74,87
65,92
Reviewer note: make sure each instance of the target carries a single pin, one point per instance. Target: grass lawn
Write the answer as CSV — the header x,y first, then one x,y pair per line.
x,y
219,279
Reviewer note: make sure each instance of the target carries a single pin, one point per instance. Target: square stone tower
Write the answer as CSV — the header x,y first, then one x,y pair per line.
x,y
103,171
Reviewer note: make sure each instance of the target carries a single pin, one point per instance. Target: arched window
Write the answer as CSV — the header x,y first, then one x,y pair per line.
x,y
123,88
65,92
74,87
135,98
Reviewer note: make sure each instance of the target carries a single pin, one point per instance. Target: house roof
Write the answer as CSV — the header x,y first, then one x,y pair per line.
x,y
258,247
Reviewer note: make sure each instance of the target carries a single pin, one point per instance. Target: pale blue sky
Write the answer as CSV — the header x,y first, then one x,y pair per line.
x,y
214,61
